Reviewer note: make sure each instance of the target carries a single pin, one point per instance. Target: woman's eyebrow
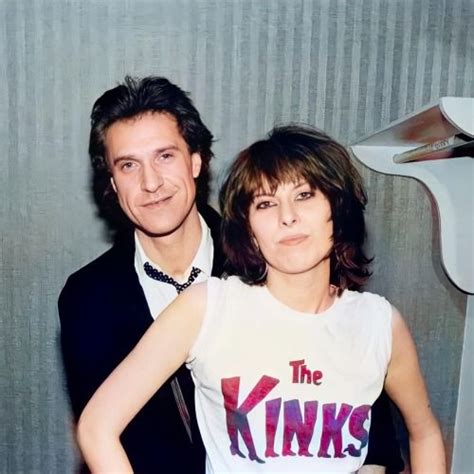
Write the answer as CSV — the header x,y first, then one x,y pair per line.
x,y
262,194
268,192
300,184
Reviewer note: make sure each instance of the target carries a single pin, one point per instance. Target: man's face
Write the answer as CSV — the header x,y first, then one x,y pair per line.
x,y
152,172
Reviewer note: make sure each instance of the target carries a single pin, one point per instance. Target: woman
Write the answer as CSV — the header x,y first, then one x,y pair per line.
x,y
287,359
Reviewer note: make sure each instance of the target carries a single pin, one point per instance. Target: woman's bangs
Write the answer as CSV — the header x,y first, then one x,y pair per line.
x,y
268,173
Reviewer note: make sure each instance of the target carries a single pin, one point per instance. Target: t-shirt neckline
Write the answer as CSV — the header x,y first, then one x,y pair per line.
x,y
302,314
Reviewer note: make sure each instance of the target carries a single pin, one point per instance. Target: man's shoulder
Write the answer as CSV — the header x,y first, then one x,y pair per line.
x,y
107,263
116,264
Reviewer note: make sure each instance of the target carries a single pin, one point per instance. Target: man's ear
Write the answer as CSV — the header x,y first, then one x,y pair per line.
x,y
196,163
112,182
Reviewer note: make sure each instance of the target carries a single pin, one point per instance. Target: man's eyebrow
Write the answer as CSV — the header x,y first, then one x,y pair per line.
x,y
155,152
162,149
118,159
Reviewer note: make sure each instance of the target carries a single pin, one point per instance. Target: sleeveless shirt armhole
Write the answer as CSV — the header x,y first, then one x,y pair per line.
x,y
382,316
388,313
392,309
213,284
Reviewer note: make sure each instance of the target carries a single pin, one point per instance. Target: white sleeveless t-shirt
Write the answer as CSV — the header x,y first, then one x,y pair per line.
x,y
278,390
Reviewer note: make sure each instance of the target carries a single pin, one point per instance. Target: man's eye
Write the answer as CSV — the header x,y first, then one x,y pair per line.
x,y
126,165
166,156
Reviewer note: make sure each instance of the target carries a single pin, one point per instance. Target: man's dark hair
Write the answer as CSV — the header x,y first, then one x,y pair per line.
x,y
131,99
291,154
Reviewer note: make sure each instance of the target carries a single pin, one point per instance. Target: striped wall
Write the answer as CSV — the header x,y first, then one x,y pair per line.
x,y
348,67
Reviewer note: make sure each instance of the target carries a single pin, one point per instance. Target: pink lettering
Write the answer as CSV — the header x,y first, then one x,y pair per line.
x,y
236,417
356,428
295,425
332,429
317,376
296,364
301,373
272,413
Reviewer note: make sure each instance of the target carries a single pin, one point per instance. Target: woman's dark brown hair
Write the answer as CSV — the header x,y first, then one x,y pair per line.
x,y
291,154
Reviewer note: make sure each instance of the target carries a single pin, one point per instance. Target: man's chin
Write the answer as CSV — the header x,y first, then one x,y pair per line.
x,y
174,221
157,232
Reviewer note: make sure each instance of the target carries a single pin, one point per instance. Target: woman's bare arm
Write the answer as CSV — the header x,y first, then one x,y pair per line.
x,y
160,352
405,385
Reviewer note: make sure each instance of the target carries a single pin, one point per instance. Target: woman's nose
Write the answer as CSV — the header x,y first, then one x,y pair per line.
x,y
288,214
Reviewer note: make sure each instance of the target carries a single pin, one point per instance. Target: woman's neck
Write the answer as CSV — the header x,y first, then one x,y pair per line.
x,y
308,292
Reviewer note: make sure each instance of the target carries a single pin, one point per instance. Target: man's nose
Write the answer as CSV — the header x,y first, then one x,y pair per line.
x,y
151,179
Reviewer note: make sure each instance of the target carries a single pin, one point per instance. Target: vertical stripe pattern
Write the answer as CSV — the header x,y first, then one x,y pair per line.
x,y
349,67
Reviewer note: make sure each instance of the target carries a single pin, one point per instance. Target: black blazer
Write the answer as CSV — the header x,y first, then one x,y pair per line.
x,y
103,314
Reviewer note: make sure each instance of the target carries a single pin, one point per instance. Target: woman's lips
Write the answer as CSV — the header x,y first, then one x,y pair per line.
x,y
293,239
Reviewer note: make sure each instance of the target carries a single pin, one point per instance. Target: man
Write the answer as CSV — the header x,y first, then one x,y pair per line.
x,y
150,150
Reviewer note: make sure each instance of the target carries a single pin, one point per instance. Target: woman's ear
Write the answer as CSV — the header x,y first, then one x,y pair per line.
x,y
255,243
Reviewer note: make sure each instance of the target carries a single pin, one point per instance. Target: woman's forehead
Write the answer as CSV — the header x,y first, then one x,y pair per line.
x,y
269,187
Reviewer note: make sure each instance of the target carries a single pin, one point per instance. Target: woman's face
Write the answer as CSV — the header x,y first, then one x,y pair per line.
x,y
292,227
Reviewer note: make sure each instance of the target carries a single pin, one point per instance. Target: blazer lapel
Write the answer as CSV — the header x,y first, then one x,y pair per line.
x,y
135,304
213,220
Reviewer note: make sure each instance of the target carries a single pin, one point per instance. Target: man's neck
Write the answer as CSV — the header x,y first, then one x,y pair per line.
x,y
174,252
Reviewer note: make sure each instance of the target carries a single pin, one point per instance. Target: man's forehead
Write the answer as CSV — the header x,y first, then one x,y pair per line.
x,y
139,133
141,118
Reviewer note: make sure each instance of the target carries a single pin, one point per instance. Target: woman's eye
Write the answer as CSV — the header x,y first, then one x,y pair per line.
x,y
305,195
263,205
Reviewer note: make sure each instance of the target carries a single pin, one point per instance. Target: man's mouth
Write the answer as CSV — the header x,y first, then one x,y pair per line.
x,y
162,201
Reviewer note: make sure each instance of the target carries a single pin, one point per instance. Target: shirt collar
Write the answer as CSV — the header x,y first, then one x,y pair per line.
x,y
202,260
